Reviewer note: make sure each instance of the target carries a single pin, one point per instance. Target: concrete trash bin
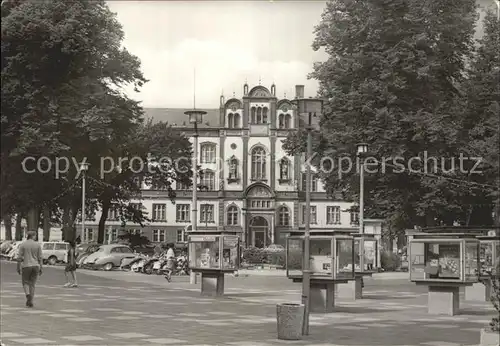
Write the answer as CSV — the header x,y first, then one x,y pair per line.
x,y
290,318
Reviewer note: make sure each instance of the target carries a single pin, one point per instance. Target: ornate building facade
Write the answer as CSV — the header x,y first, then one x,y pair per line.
x,y
252,186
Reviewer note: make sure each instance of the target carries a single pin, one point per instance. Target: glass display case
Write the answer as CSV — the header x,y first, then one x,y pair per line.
x,y
214,252
445,260
331,257
489,256
365,254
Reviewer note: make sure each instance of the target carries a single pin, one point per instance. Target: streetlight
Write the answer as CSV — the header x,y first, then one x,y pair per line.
x,y
83,168
312,108
362,148
195,118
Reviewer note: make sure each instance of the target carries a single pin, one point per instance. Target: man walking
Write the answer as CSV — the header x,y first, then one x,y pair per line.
x,y
29,265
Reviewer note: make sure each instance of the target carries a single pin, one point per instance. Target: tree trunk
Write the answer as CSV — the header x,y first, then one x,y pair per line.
x,y
19,229
102,222
33,220
7,222
46,223
65,223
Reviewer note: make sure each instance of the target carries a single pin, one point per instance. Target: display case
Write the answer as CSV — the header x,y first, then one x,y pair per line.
x,y
489,256
214,252
444,260
331,257
365,253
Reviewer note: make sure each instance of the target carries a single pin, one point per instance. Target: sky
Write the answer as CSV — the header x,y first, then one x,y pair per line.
x,y
219,44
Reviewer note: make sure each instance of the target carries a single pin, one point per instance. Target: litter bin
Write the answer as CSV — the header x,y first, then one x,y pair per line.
x,y
290,318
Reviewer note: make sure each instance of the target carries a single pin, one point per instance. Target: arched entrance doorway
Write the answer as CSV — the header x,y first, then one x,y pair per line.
x,y
259,230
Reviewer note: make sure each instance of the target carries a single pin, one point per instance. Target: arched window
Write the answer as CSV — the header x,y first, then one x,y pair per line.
x,y
232,215
233,169
284,169
258,163
207,180
230,120
254,118
259,115
207,153
284,216
236,120
264,115
284,121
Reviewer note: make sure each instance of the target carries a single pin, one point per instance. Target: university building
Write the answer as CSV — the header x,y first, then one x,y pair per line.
x,y
253,187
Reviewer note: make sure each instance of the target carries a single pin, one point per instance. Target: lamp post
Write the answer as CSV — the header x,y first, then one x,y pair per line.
x,y
195,118
311,108
83,168
362,148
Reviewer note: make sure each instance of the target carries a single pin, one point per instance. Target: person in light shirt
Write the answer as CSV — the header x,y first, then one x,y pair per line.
x,y
29,265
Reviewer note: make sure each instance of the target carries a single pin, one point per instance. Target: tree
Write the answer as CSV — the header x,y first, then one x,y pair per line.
x,y
480,109
63,68
162,156
392,79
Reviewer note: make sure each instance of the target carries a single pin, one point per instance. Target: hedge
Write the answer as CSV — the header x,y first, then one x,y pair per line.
x,y
253,255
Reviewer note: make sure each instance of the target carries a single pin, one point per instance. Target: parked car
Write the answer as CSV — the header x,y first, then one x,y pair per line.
x,y
83,254
55,252
108,257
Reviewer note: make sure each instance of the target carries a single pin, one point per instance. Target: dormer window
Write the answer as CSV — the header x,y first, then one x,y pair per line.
x,y
233,170
284,121
233,120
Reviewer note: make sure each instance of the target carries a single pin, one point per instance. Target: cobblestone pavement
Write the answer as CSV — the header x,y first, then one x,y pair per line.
x,y
120,311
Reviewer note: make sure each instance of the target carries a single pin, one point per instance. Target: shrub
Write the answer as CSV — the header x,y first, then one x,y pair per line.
x,y
389,261
276,258
253,255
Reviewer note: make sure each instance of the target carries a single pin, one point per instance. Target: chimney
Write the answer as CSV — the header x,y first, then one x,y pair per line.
x,y
299,91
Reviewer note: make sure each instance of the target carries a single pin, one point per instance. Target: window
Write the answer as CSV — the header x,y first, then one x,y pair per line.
x,y
260,204
182,186
284,216
136,206
264,115
114,234
258,164
333,215
284,169
253,119
354,217
125,249
207,180
159,212
207,153
232,215
284,121
61,246
207,213
312,211
182,213
233,169
88,235
48,246
113,214
314,182
138,182
181,236
233,120
159,235
135,231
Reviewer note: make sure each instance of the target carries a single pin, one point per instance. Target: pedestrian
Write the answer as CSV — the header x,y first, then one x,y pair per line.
x,y
70,270
78,240
29,265
170,255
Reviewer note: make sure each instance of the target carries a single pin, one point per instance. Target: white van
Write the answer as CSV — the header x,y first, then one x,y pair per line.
x,y
55,252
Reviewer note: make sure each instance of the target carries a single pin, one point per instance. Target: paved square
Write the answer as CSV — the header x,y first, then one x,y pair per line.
x,y
175,314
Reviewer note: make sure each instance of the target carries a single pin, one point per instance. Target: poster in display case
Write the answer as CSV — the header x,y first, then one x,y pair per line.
x,y
214,252
447,260
489,256
365,254
330,256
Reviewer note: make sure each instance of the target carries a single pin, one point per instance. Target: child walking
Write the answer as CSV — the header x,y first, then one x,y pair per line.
x,y
70,270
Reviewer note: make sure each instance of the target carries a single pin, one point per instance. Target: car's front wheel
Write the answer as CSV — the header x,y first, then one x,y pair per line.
x,y
107,267
52,260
